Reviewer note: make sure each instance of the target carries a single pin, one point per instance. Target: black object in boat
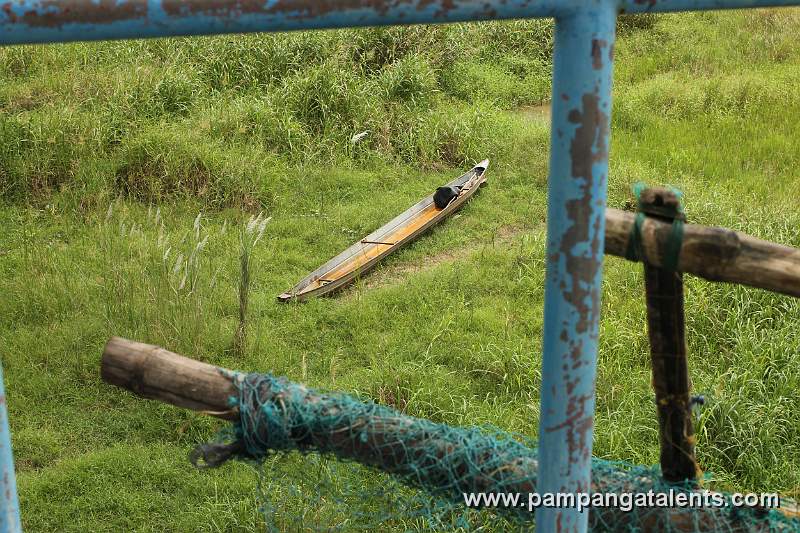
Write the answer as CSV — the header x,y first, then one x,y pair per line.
x,y
444,195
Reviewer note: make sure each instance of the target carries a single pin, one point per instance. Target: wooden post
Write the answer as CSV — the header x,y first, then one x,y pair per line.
x,y
665,325
716,254
156,373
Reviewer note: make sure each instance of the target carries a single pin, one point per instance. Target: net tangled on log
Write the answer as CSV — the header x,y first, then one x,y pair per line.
x,y
430,467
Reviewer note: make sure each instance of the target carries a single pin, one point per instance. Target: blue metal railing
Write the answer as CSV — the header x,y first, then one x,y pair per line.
x,y
579,140
38,21
581,98
9,508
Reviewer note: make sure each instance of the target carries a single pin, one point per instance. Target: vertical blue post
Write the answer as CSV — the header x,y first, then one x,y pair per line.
x,y
9,506
581,108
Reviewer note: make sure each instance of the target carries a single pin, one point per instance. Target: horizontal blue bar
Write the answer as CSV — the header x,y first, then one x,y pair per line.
x,y
671,6
37,21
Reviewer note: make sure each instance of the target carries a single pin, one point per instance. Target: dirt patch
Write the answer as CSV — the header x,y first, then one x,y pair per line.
x,y
535,113
398,272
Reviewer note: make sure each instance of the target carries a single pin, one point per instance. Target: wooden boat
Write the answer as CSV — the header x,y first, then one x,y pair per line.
x,y
363,255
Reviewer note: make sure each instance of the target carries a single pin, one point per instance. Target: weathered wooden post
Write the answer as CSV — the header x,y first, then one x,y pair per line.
x,y
666,330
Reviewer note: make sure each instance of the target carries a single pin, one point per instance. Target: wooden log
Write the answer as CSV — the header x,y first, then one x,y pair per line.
x,y
716,254
670,368
156,373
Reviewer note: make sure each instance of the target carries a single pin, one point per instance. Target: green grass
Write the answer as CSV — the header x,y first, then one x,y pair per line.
x,y
449,328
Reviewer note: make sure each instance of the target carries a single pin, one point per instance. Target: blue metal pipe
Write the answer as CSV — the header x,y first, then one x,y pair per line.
x,y
70,20
37,21
671,6
9,508
579,140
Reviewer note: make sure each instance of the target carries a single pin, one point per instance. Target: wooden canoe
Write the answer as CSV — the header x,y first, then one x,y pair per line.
x,y
404,228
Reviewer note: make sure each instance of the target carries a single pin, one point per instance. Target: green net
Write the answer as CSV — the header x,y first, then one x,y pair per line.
x,y
333,462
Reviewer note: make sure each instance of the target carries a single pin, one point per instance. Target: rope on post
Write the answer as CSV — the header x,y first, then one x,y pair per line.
x,y
663,204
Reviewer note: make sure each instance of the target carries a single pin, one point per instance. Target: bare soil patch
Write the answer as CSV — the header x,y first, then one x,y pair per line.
x,y
395,273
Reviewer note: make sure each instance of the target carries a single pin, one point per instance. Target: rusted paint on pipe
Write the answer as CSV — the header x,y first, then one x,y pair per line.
x,y
57,13
30,21
575,232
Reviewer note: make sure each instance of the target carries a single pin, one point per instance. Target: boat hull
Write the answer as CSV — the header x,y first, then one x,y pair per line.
x,y
366,253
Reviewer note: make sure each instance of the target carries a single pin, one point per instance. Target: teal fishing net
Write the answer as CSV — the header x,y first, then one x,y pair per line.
x,y
331,462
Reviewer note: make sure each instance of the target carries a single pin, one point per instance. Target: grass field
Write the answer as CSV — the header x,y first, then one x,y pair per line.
x,y
128,169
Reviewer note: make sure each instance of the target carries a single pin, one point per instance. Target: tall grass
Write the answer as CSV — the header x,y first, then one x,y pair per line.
x,y
249,236
164,114
157,277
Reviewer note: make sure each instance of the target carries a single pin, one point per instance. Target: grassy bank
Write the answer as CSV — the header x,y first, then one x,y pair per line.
x,y
214,117
108,153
